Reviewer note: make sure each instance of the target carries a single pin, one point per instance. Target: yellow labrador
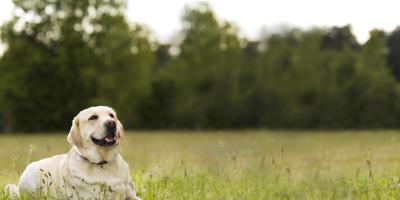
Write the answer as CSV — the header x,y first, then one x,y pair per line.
x,y
92,169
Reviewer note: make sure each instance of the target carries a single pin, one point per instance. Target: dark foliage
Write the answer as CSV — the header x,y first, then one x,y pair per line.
x,y
73,54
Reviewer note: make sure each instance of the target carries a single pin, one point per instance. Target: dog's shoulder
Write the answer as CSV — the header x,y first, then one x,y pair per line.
x,y
35,170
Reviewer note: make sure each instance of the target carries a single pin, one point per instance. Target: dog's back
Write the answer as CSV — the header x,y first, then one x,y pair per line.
x,y
35,175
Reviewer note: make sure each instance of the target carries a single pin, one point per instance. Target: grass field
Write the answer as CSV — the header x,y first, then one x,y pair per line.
x,y
239,164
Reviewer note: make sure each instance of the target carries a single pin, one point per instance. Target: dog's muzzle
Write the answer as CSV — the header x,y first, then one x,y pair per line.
x,y
110,139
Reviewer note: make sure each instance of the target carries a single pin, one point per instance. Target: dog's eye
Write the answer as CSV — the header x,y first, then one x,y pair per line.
x,y
93,117
111,115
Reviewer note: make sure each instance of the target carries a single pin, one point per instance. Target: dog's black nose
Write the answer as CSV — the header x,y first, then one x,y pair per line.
x,y
110,124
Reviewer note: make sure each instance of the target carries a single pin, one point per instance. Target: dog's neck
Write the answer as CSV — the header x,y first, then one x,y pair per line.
x,y
95,156
101,163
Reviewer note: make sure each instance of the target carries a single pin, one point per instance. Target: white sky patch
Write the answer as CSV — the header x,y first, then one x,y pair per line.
x,y
6,8
163,17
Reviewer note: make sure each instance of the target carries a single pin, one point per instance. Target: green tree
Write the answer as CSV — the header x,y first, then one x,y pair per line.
x,y
378,101
41,66
70,55
393,54
123,66
206,70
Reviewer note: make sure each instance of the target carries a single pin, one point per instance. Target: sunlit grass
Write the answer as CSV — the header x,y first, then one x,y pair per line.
x,y
239,164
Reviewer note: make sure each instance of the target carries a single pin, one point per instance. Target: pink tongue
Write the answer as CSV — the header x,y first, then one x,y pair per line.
x,y
110,137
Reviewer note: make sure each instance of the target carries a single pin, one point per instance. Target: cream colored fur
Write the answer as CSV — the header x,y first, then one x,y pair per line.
x,y
74,175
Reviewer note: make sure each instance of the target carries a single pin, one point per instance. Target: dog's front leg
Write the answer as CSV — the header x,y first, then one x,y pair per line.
x,y
131,193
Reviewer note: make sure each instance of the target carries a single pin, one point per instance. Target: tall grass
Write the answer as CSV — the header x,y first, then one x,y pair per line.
x,y
239,164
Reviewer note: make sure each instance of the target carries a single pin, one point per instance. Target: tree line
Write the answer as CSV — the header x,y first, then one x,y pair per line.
x,y
63,56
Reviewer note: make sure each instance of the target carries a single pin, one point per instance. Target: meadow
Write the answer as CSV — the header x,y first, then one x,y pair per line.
x,y
239,164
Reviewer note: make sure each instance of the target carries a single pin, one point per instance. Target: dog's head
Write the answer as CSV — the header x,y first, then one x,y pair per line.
x,y
95,129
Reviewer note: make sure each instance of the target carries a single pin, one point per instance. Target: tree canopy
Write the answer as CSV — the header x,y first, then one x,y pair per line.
x,y
63,56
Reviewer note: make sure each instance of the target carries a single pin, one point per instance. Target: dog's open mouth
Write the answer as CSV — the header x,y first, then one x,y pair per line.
x,y
106,141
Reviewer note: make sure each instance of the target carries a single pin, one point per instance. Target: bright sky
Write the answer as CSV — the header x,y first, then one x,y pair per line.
x,y
251,15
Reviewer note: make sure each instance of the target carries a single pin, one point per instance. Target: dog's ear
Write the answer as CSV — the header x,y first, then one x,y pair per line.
x,y
74,137
120,129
